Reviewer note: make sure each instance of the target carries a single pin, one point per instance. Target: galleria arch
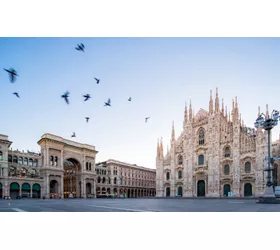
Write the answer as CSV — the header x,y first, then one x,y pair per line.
x,y
67,167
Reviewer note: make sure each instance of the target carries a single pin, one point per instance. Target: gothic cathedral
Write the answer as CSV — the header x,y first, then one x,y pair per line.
x,y
214,156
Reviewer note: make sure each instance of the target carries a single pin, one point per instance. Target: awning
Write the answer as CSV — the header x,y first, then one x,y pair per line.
x,y
14,186
25,186
36,187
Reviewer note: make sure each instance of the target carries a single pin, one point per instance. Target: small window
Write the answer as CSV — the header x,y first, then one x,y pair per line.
x,y
51,160
180,174
55,161
201,137
10,158
180,160
247,167
115,180
226,169
167,176
227,152
200,159
99,179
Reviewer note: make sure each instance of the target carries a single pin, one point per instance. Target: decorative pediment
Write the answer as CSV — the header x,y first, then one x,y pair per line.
x,y
226,161
201,148
179,183
202,114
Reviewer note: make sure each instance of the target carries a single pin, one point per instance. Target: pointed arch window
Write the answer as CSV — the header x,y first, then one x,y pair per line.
x,y
201,136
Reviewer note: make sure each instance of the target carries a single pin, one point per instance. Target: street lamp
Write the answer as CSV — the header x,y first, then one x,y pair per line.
x,y
70,172
268,123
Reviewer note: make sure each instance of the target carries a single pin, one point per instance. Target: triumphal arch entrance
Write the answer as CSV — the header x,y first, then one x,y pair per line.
x,y
68,168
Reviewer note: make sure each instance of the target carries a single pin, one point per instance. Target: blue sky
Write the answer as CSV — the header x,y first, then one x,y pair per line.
x,y
160,74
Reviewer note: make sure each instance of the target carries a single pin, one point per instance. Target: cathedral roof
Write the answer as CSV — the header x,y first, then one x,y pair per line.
x,y
201,115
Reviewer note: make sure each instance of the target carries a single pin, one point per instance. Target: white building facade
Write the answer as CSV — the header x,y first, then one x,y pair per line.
x,y
214,156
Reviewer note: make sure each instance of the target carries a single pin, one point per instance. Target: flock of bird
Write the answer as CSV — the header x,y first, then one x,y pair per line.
x,y
80,47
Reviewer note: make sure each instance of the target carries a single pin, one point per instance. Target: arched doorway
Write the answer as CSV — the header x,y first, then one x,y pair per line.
x,y
180,192
36,191
115,192
53,189
128,193
201,188
88,189
71,178
14,190
168,192
108,193
25,190
226,189
248,190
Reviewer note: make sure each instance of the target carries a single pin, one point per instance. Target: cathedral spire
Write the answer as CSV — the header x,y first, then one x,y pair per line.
x,y
161,148
259,111
211,103
229,116
232,106
173,132
223,107
158,148
190,110
226,113
217,102
186,113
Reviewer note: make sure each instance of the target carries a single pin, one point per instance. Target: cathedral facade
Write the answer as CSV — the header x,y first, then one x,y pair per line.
x,y
215,156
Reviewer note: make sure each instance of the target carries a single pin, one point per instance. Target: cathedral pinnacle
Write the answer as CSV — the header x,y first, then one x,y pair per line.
x,y
223,107
259,111
211,103
217,108
173,132
161,148
190,110
186,112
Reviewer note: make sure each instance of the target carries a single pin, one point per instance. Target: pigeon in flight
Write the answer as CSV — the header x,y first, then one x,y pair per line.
x,y
108,103
87,96
12,72
80,47
87,118
97,80
74,135
146,119
16,94
65,96
129,99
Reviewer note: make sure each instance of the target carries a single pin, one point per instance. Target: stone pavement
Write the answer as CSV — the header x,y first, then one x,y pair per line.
x,y
137,205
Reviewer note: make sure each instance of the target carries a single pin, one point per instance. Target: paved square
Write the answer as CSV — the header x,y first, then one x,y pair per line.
x,y
137,205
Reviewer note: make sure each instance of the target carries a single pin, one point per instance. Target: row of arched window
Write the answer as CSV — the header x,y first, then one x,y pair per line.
x,y
201,157
103,180
22,161
88,166
247,168
180,175
53,160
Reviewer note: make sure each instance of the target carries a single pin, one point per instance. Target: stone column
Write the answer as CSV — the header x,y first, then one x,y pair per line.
x,y
83,186
61,159
31,193
94,189
62,187
20,190
47,188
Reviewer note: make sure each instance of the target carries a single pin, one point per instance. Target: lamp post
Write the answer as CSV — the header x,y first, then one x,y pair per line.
x,y
268,123
70,172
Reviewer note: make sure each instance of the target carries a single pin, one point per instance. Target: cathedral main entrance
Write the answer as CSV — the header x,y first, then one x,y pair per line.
x,y
248,190
226,189
71,178
168,192
201,188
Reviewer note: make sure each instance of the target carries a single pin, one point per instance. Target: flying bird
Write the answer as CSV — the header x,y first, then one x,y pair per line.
x,y
87,118
80,47
108,103
16,94
87,96
129,99
12,73
74,135
97,80
146,119
65,96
